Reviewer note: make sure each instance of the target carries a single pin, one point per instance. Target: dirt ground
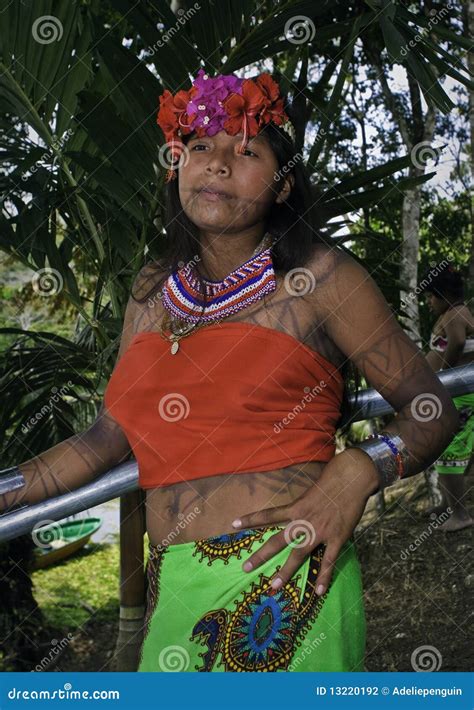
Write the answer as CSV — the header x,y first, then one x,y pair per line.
x,y
418,584
415,597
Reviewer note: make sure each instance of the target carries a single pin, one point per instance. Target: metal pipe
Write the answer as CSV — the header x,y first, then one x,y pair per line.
x,y
113,484
124,478
457,380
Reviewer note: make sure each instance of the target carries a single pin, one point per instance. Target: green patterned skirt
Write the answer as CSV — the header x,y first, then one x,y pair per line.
x,y
204,613
455,458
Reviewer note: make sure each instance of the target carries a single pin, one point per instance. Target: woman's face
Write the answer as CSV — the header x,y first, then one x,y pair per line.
x,y
435,304
248,179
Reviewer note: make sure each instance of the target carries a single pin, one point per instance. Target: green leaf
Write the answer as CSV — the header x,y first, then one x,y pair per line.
x,y
333,109
354,201
368,177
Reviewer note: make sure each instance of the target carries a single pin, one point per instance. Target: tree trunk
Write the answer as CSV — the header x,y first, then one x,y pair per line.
x,y
132,582
469,32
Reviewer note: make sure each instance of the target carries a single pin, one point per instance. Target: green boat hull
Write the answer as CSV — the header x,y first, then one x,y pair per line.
x,y
59,541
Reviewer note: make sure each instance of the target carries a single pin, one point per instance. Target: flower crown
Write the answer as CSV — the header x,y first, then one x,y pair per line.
x,y
224,102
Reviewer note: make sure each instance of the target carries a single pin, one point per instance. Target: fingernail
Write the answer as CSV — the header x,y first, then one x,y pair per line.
x,y
237,523
320,590
276,583
247,566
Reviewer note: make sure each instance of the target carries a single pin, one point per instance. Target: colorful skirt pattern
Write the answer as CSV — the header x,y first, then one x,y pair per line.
x,y
204,613
455,458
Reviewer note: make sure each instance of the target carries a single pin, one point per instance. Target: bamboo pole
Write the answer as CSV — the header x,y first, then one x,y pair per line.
x,y
132,590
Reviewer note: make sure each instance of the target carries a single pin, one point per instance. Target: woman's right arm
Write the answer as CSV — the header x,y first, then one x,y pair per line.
x,y
81,458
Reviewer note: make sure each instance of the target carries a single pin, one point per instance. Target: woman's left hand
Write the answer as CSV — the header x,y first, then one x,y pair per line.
x,y
328,512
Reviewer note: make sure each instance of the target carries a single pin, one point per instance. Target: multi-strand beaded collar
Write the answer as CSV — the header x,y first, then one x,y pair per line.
x,y
183,301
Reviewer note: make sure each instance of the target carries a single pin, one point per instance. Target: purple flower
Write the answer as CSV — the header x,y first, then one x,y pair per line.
x,y
208,102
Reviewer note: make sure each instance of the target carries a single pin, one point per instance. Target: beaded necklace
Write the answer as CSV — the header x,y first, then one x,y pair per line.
x,y
181,297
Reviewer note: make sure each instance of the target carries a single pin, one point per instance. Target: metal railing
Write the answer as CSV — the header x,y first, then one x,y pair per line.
x,y
124,478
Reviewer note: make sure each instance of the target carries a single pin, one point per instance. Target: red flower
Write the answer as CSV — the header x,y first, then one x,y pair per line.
x,y
273,105
181,100
242,109
172,117
167,118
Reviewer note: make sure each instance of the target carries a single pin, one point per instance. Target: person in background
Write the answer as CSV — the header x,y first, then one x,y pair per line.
x,y
452,345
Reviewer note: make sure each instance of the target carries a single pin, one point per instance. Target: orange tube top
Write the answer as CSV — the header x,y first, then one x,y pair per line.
x,y
235,398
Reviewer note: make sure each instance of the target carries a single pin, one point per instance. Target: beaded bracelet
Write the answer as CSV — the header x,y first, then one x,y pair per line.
x,y
395,451
389,454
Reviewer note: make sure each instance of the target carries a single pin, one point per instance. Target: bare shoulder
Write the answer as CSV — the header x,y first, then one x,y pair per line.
x,y
148,280
335,275
460,313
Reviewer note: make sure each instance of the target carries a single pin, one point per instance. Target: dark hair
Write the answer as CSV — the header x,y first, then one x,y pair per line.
x,y
297,236
446,283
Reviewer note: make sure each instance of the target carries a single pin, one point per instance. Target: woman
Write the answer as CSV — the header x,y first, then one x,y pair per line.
x,y
452,345
249,513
